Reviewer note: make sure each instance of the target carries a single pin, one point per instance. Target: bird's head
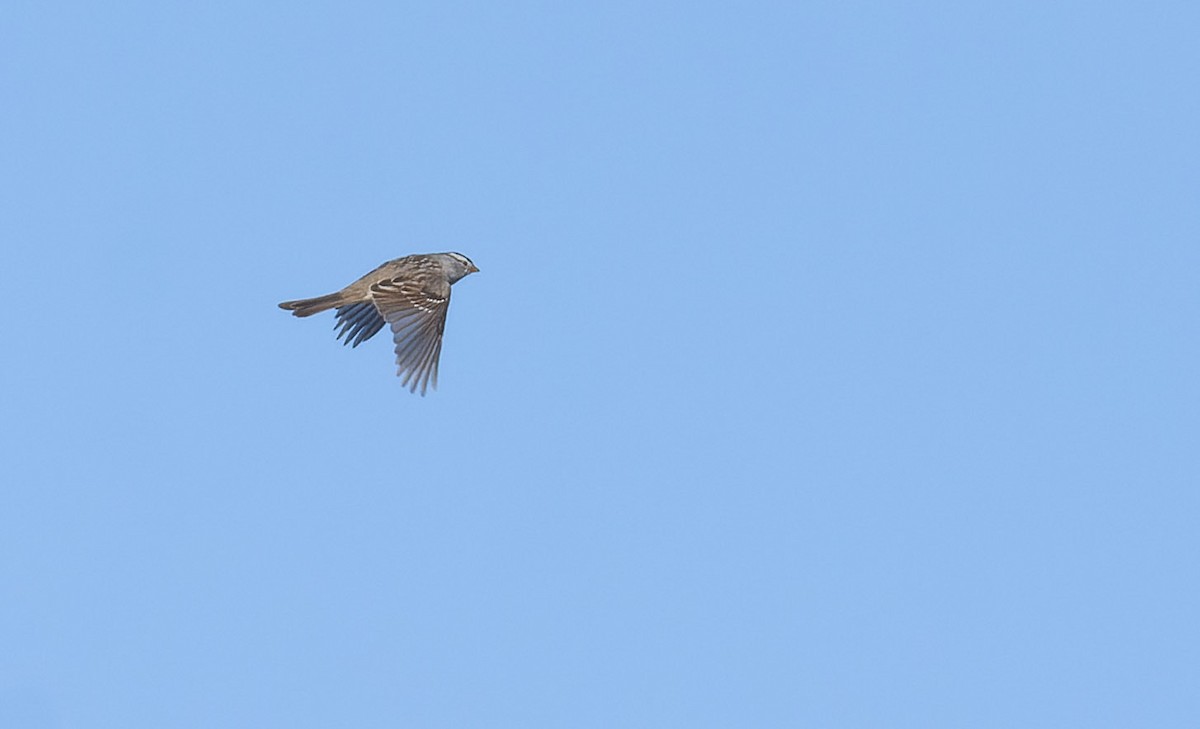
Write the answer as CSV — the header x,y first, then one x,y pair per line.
x,y
457,265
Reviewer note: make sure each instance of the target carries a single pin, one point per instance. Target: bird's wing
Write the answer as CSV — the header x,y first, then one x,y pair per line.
x,y
359,322
415,307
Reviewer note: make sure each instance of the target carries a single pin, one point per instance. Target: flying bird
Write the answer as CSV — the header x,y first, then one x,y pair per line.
x,y
412,295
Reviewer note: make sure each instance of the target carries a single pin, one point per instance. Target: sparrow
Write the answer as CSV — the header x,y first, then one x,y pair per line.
x,y
410,294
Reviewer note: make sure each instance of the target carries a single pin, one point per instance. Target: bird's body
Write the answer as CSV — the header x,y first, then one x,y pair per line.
x,y
412,294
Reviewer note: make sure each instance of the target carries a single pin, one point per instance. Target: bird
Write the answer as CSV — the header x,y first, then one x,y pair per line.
x,y
412,295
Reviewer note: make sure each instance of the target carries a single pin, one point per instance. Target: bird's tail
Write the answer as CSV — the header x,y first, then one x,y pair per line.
x,y
308,307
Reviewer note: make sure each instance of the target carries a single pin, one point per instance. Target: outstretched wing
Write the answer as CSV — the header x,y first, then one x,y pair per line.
x,y
359,322
415,307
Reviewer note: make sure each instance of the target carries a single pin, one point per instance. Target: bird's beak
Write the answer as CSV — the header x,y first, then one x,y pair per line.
x,y
473,269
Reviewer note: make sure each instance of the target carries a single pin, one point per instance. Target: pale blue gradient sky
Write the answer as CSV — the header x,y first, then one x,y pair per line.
x,y
831,365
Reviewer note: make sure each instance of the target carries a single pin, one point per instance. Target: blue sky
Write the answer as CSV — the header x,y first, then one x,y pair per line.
x,y
830,365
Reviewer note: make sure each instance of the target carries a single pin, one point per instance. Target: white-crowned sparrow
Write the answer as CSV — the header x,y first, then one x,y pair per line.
x,y
411,294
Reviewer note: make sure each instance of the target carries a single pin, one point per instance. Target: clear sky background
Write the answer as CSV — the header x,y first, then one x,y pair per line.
x,y
831,364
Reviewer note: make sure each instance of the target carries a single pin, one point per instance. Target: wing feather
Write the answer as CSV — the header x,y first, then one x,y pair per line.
x,y
415,308
358,322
